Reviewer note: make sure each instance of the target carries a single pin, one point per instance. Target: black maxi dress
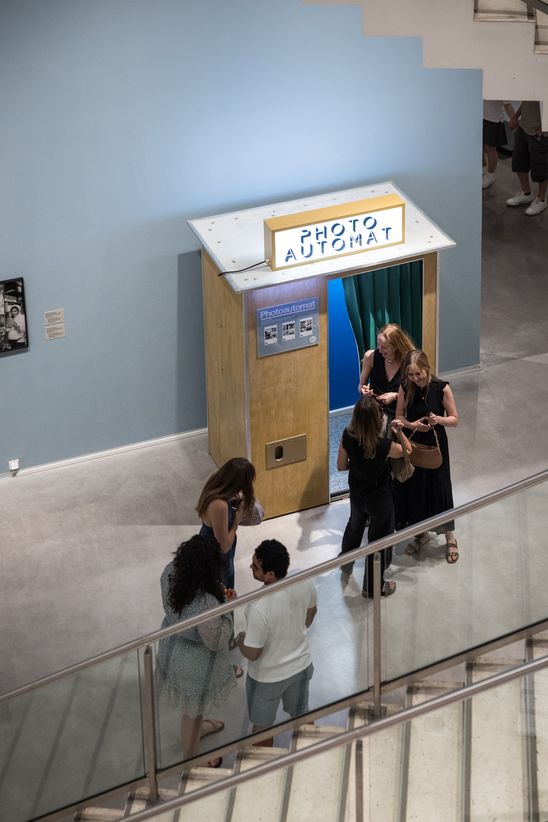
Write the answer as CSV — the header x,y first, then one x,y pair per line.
x,y
380,384
429,490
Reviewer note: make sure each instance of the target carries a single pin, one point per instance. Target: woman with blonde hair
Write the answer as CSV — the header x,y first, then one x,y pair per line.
x,y
381,367
226,499
426,404
364,454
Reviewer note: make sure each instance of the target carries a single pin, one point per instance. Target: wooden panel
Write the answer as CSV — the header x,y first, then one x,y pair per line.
x,y
430,308
288,396
225,365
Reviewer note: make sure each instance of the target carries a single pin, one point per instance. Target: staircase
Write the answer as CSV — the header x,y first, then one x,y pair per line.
x,y
505,38
483,758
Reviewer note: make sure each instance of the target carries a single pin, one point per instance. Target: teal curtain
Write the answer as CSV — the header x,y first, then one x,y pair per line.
x,y
388,295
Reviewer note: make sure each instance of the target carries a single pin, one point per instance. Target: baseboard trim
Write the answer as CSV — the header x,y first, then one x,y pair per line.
x,y
468,369
111,452
338,412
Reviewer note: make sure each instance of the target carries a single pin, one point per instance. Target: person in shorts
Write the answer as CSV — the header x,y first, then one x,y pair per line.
x,y
530,156
494,135
276,641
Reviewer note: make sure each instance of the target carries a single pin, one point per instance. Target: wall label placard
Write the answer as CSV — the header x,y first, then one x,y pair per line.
x,y
288,326
54,324
334,231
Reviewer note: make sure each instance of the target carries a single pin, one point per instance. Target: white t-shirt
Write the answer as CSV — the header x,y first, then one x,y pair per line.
x,y
493,110
277,624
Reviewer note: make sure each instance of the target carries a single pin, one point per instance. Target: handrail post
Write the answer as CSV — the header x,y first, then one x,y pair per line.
x,y
377,633
149,728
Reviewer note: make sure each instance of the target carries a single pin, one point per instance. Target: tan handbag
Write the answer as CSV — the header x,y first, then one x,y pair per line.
x,y
425,456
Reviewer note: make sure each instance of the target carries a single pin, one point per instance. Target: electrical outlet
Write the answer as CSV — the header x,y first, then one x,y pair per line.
x,y
13,465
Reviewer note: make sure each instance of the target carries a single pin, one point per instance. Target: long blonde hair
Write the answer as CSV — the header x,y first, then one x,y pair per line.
x,y
421,361
365,425
397,337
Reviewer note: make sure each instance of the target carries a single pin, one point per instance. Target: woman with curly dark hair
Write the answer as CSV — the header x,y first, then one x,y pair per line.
x,y
194,666
227,498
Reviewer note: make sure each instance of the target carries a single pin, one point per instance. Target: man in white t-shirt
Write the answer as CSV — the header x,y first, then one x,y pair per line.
x,y
276,641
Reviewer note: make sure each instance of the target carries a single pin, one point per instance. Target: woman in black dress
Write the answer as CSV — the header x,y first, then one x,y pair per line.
x,y
364,454
381,367
425,403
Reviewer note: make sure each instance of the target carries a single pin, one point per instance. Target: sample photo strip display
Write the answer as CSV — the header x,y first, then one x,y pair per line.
x,y
13,316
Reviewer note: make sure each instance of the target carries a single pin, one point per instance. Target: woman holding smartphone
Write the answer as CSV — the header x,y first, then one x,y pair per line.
x,y
426,403
227,498
381,367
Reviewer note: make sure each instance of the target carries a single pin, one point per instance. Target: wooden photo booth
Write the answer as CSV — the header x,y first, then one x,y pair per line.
x,y
267,385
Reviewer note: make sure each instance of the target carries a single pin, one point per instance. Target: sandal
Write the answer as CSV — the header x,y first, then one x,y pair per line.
x,y
414,547
215,763
238,671
387,590
452,552
215,725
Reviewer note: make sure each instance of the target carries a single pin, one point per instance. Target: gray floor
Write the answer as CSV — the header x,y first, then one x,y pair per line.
x,y
83,546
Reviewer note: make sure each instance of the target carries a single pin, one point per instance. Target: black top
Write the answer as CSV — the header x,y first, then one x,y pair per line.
x,y
379,382
367,474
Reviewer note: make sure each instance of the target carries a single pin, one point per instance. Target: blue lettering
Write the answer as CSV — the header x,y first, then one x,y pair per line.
x,y
290,255
387,231
310,252
338,244
321,232
304,234
322,244
371,238
356,239
370,222
340,231
353,222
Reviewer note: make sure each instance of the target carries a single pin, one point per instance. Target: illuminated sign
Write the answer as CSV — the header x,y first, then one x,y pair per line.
x,y
335,231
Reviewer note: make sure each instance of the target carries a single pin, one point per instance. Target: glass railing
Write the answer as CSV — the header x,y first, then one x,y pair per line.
x,y
477,753
118,719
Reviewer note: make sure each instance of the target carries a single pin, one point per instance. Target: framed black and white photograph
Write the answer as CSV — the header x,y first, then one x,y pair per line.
x,y
13,316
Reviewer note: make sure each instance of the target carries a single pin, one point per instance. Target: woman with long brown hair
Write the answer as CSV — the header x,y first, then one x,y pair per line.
x,y
364,454
227,497
426,405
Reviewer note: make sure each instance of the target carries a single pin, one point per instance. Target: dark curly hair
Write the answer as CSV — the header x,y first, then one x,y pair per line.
x,y
273,556
196,567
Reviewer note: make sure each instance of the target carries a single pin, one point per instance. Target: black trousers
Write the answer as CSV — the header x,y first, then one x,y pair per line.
x,y
378,508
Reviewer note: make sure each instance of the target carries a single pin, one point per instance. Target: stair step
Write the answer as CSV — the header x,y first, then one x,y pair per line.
x,y
98,815
541,729
261,799
502,10
380,773
210,808
484,667
498,781
137,801
316,782
423,691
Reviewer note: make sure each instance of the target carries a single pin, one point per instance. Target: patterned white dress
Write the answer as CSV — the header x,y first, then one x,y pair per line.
x,y
193,668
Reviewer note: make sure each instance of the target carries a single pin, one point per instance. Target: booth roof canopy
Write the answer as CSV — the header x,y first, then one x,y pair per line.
x,y
235,240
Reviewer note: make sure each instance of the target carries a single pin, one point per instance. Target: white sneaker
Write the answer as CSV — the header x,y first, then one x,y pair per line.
x,y
520,199
536,207
487,179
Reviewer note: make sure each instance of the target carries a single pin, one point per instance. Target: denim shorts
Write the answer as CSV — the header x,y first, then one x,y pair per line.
x,y
263,698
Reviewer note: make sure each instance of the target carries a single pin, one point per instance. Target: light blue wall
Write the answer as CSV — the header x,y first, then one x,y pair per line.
x,y
123,118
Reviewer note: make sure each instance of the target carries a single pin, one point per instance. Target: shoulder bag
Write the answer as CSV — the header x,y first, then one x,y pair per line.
x,y
402,468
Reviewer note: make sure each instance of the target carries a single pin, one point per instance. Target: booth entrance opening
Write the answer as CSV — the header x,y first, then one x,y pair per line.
x,y
358,306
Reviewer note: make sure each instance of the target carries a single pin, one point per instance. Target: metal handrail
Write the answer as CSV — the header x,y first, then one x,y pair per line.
x,y
346,737
316,570
540,5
